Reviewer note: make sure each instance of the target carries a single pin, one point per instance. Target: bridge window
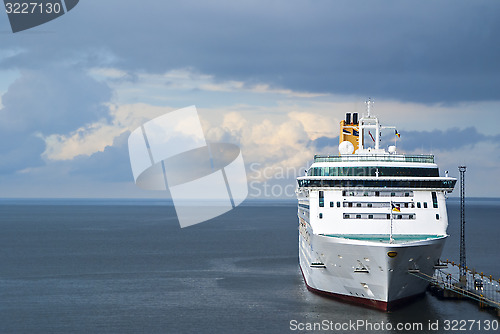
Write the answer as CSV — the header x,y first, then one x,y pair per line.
x,y
447,185
372,171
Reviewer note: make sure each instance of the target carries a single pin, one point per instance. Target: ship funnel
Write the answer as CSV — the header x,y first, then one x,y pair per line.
x,y
349,132
355,118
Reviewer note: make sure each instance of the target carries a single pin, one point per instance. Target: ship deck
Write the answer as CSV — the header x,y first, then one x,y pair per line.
x,y
386,238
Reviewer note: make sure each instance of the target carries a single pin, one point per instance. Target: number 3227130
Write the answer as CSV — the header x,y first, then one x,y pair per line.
x,y
32,8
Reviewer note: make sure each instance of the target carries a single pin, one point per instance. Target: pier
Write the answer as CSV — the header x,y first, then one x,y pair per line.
x,y
448,282
457,281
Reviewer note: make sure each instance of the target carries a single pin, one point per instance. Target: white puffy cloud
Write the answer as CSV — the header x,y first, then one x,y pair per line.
x,y
95,137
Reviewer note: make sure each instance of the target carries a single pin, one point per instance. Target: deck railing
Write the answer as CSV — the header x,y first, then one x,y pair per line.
x,y
375,157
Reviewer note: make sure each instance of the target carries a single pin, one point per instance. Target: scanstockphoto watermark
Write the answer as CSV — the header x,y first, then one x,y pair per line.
x,y
273,181
280,182
204,179
361,325
354,325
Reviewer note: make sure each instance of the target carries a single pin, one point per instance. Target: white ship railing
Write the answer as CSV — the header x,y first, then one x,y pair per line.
x,y
375,157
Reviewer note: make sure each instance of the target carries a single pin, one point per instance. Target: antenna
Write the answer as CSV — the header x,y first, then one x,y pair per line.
x,y
368,106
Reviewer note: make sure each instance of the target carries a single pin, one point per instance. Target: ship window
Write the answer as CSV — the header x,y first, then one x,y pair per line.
x,y
437,216
388,216
344,193
338,204
369,205
370,216
393,194
411,216
377,184
425,205
331,204
358,205
358,216
400,216
418,205
320,216
349,205
321,199
377,193
372,171
434,200
406,205
347,216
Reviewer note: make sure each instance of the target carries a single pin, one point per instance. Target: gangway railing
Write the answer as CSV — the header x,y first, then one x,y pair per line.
x,y
479,287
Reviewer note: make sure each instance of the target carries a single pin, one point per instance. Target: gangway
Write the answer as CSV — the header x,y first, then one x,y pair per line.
x,y
446,283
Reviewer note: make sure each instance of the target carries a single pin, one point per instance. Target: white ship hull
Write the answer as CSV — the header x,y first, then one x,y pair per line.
x,y
361,271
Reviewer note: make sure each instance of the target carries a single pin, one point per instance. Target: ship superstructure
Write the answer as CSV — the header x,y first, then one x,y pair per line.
x,y
368,217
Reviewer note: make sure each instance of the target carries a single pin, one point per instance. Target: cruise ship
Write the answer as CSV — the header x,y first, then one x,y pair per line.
x,y
370,219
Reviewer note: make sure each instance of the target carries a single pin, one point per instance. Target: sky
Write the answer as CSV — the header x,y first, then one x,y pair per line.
x,y
274,77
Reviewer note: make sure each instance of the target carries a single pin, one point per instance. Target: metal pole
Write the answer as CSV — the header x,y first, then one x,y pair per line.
x,y
463,261
391,240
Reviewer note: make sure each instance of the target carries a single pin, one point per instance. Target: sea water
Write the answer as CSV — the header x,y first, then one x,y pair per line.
x,y
125,266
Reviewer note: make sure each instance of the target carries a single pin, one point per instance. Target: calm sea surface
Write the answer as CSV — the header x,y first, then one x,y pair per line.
x,y
123,266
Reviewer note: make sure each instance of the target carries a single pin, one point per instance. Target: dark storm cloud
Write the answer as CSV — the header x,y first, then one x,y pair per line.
x,y
53,100
450,139
18,152
42,102
425,51
322,142
110,165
